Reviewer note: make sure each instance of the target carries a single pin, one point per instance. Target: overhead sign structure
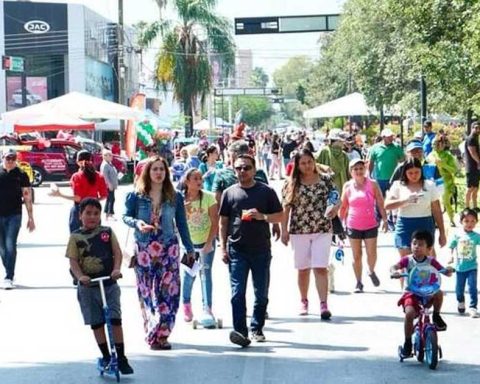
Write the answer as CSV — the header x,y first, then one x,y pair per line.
x,y
13,63
248,91
286,24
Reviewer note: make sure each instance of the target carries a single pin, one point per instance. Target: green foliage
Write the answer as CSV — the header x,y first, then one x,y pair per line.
x,y
259,78
182,62
256,110
292,74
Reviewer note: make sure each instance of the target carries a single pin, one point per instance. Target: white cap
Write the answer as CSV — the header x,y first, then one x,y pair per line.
x,y
387,133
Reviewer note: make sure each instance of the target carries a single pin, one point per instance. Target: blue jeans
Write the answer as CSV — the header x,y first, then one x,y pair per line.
x,y
205,278
240,265
109,204
9,228
471,278
74,220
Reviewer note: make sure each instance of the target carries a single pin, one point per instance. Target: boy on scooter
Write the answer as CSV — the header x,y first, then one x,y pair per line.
x,y
94,251
422,242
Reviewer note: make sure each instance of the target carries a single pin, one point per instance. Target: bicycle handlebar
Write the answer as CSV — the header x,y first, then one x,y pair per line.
x,y
443,271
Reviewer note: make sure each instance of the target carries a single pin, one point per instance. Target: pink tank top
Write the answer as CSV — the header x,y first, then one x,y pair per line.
x,y
361,206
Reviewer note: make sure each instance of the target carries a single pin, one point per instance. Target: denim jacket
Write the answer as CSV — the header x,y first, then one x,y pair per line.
x,y
139,207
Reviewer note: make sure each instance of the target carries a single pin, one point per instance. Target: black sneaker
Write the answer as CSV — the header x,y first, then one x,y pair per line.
x,y
374,278
407,349
258,336
124,367
438,321
103,363
239,339
358,287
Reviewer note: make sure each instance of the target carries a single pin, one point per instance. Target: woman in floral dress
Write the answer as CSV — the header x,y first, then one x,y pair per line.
x,y
307,226
156,212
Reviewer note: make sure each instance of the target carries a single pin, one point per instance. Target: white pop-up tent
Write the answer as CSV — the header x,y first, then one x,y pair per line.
x,y
350,105
74,104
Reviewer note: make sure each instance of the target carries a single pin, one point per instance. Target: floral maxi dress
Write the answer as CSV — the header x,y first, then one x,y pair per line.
x,y
158,285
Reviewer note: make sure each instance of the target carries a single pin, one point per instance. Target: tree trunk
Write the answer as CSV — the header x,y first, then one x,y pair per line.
x,y
469,120
188,112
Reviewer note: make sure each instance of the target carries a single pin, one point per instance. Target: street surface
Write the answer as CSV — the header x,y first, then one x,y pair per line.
x,y
43,339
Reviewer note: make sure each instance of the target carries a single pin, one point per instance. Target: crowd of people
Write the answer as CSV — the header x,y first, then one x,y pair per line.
x,y
223,199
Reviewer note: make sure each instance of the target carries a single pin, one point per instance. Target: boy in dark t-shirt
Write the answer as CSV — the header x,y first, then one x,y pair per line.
x,y
94,252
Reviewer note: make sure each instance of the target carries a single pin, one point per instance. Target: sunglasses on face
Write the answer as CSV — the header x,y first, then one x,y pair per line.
x,y
244,168
11,158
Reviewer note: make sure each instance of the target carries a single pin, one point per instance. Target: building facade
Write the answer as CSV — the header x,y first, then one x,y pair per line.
x,y
66,47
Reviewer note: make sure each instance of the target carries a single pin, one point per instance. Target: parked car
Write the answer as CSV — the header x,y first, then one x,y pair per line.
x,y
55,159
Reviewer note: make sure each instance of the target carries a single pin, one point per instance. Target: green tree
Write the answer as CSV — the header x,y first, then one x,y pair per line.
x,y
259,78
255,110
291,74
182,61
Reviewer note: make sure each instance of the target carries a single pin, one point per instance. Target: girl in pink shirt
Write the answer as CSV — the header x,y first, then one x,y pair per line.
x,y
360,198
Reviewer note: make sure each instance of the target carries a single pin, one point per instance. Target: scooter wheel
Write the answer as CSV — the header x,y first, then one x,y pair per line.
x,y
219,323
194,324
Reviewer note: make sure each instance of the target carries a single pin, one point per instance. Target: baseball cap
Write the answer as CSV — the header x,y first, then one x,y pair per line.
x,y
414,144
354,162
386,133
10,152
336,134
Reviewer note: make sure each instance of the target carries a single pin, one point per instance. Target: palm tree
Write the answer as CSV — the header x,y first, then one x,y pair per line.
x,y
183,59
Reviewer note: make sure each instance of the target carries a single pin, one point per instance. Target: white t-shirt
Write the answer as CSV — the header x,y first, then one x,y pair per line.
x,y
422,208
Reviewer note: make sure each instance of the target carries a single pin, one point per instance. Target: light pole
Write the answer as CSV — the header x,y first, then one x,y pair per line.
x,y
120,70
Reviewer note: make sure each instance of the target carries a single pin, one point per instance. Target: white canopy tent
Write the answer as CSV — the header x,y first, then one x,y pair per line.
x,y
73,104
350,105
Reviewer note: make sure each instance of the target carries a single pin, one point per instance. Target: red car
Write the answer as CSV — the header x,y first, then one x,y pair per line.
x,y
55,159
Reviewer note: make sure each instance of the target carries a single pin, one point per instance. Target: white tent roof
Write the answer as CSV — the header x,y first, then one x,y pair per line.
x,y
73,104
350,105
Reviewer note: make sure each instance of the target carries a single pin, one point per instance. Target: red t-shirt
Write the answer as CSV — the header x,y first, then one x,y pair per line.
x,y
81,187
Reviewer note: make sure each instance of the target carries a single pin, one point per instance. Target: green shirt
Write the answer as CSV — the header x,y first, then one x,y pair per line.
x,y
198,219
385,159
465,244
336,159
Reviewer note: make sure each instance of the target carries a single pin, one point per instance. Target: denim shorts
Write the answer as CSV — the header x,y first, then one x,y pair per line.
x,y
362,234
405,226
91,303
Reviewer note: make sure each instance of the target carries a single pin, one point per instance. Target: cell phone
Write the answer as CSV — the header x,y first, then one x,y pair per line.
x,y
189,262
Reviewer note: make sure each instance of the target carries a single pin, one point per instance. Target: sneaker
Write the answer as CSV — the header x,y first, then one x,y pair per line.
x,y
8,284
303,308
452,224
124,367
473,312
438,321
258,336
103,363
325,314
358,287
406,349
461,307
239,339
374,278
187,312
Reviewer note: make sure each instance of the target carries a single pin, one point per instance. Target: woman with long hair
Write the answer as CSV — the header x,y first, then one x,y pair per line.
x,y
307,225
202,219
156,212
360,197
418,204
86,182
209,167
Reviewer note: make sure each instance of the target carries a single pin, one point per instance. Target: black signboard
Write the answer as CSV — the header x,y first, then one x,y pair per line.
x,y
35,28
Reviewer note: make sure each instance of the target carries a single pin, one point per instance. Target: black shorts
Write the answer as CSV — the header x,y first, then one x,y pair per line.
x,y
473,179
362,235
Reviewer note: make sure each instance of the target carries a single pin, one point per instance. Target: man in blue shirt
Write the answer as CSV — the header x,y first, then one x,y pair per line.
x,y
428,137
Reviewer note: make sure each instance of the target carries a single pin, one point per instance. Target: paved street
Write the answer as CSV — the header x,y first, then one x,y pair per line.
x,y
43,339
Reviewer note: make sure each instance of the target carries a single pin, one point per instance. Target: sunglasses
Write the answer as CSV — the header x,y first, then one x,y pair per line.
x,y
244,168
11,158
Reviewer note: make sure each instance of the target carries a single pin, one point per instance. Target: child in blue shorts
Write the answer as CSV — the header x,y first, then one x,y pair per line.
x,y
464,250
94,252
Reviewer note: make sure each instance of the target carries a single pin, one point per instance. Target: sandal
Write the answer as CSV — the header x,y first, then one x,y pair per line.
x,y
162,345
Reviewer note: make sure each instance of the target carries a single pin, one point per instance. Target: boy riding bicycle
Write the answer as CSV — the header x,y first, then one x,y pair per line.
x,y
94,252
422,242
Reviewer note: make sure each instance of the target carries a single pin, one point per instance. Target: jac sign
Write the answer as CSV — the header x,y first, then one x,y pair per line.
x,y
36,26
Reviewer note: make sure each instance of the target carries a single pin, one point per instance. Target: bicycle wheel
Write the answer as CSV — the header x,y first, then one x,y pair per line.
x,y
418,345
431,348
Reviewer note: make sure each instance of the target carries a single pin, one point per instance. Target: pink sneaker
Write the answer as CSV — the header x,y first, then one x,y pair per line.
x,y
187,312
303,308
325,314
